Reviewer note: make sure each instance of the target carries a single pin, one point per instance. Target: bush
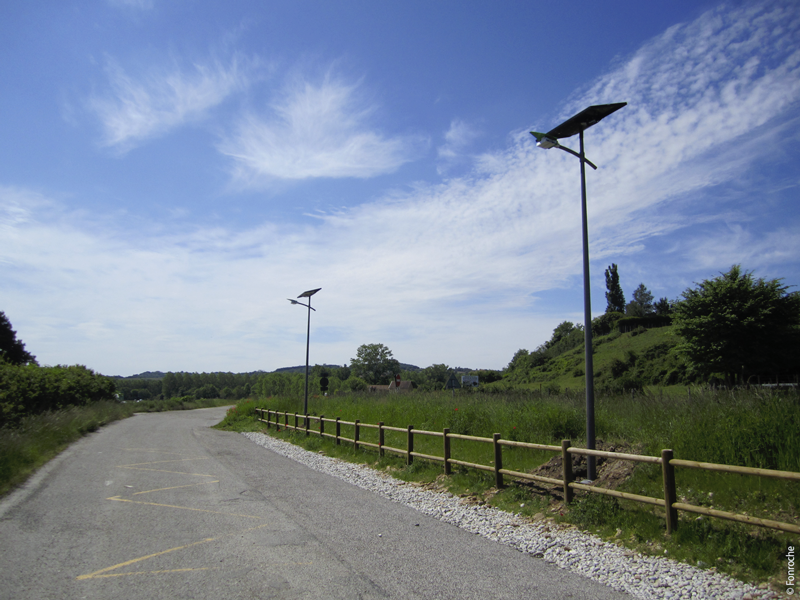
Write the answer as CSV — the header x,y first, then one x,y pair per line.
x,y
605,324
31,389
355,384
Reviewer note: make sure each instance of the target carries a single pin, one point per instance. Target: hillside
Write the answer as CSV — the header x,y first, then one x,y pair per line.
x,y
622,361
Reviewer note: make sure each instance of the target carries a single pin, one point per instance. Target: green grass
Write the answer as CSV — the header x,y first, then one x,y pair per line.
x,y
749,428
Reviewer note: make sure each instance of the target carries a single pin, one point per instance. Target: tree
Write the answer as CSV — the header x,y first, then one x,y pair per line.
x,y
642,303
614,297
561,332
436,376
374,364
738,325
663,307
12,350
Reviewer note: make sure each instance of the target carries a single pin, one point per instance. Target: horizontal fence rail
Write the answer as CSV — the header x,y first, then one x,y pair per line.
x,y
567,482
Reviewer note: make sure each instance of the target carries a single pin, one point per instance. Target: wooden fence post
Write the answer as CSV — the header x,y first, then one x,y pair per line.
x,y
380,438
321,426
498,461
338,430
307,423
295,421
409,458
286,420
670,494
447,469
355,436
566,461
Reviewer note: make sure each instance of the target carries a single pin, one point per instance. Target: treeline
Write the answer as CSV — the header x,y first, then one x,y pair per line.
x,y
228,386
30,389
345,380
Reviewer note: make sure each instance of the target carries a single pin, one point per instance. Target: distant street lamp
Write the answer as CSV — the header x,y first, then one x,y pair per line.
x,y
578,124
308,295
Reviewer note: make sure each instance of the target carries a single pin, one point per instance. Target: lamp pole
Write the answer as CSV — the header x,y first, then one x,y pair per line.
x,y
578,124
308,295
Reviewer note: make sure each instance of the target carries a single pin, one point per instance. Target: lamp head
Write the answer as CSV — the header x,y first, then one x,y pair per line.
x,y
293,301
543,141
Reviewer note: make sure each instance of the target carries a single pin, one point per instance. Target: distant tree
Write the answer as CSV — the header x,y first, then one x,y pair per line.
x,y
12,350
169,385
436,376
642,303
735,324
605,323
560,332
663,307
615,299
488,375
374,364
343,373
355,384
517,359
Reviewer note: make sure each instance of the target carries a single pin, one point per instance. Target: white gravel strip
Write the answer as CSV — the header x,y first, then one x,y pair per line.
x,y
646,577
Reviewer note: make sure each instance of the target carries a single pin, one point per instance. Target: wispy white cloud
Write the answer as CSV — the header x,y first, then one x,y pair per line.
x,y
315,130
135,109
456,140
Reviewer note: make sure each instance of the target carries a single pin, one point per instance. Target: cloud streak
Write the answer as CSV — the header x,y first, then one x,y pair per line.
x,y
315,130
133,110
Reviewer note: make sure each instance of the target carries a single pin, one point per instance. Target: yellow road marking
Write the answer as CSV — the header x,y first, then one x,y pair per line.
x,y
96,574
176,487
162,571
216,512
91,576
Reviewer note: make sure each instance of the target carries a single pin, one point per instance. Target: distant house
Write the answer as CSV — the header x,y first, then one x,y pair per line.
x,y
378,388
405,386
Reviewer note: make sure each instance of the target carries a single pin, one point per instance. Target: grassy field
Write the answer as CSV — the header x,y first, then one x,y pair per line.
x,y
740,427
39,438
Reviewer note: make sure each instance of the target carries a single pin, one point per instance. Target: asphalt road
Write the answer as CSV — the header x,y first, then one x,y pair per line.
x,y
161,506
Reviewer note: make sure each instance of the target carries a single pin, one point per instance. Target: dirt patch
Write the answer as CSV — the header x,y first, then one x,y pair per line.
x,y
610,473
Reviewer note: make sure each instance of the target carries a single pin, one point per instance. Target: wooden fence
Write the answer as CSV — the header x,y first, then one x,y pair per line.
x,y
666,460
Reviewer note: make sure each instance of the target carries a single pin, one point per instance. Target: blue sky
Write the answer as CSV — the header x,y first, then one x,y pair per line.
x,y
171,172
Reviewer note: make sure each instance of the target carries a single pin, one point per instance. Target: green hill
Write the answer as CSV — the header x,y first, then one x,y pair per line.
x,y
622,362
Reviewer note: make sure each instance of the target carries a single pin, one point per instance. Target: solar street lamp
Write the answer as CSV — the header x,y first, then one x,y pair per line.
x,y
578,124
308,295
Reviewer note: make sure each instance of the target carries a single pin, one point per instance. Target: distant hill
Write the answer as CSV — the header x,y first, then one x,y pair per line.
x,y
145,375
297,369
302,368
160,374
